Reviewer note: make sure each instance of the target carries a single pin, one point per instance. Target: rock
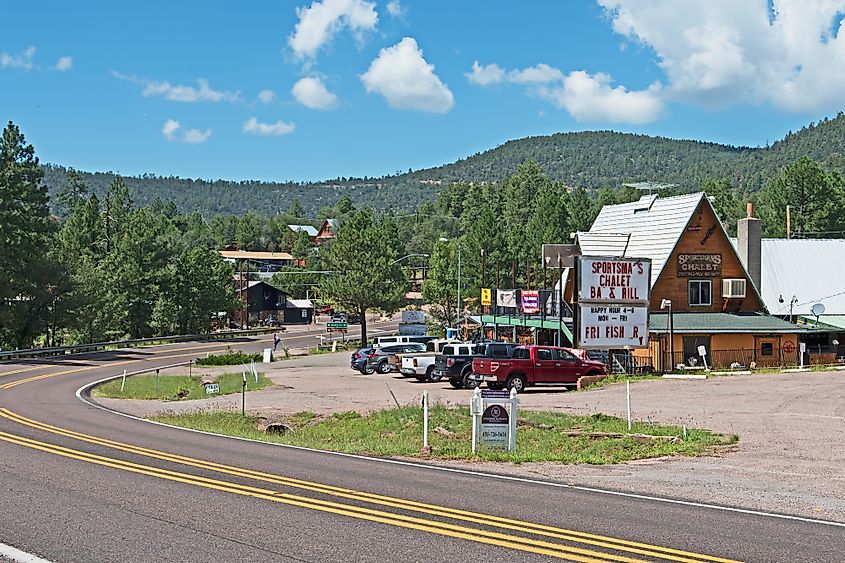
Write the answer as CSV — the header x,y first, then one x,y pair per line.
x,y
278,428
443,432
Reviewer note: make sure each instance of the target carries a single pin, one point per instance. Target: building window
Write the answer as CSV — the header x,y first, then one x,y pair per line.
x,y
767,349
700,293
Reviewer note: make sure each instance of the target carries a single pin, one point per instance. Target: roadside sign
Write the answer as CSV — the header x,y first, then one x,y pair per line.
x,y
486,296
337,326
608,327
702,351
495,394
212,388
614,280
268,355
413,317
530,301
494,427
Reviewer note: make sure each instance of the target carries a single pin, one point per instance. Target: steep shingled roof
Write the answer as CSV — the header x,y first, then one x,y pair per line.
x,y
647,228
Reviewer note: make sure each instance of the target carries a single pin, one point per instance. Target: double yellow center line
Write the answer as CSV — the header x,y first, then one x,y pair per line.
x,y
538,546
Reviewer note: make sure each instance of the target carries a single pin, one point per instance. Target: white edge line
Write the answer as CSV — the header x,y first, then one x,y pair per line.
x,y
15,554
482,474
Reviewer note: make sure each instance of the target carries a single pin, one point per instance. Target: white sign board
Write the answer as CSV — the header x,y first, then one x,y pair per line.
x,y
610,327
495,427
212,388
268,355
803,347
614,280
702,351
413,317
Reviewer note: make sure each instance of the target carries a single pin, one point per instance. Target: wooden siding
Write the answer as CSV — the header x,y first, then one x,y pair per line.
x,y
703,235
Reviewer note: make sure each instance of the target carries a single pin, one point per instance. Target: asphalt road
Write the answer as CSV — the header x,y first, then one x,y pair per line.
x,y
84,484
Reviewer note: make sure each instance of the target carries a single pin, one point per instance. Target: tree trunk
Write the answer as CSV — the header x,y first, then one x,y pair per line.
x,y
363,328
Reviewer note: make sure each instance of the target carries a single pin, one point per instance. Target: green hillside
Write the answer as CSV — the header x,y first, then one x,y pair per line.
x,y
591,159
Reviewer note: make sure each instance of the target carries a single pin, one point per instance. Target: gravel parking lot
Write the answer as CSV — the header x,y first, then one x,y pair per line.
x,y
790,457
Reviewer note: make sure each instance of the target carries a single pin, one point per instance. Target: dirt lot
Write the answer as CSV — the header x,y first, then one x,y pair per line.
x,y
790,458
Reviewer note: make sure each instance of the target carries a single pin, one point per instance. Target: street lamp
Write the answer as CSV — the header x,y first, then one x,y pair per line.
x,y
458,321
667,304
408,256
792,303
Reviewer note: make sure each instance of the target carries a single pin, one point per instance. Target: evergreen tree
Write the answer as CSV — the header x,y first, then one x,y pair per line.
x,y
296,209
580,210
366,275
440,289
727,204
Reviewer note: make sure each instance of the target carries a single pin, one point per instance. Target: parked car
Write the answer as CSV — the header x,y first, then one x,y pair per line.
x,y
535,365
378,358
421,364
325,310
469,379
454,362
359,360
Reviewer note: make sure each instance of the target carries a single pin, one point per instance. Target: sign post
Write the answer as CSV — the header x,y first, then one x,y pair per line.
x,y
494,416
802,348
702,351
613,297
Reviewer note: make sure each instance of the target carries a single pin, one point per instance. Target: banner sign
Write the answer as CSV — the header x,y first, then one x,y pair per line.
x,y
486,296
530,301
699,265
614,280
506,298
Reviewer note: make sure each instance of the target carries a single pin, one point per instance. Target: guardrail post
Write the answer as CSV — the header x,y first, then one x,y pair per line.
x,y
157,377
123,381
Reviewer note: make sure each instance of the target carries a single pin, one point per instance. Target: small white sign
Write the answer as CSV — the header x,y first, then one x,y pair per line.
x,y
614,280
702,351
268,355
613,326
413,317
803,347
212,388
495,425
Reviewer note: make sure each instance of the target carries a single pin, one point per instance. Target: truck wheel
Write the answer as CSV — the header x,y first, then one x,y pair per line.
x,y
456,383
495,386
468,382
517,382
433,376
427,376
383,367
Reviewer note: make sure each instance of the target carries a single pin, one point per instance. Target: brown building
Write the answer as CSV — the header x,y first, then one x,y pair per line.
x,y
715,302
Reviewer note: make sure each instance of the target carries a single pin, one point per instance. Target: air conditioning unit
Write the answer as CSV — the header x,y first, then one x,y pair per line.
x,y
732,289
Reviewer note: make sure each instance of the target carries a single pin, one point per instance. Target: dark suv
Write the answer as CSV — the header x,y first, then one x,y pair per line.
x,y
454,362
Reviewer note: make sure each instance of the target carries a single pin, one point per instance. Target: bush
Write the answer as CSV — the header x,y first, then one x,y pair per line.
x,y
235,358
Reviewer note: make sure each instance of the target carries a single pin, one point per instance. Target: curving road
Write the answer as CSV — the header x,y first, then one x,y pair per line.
x,y
80,483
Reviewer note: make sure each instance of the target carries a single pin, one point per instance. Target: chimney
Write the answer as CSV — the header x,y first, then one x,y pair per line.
x,y
749,235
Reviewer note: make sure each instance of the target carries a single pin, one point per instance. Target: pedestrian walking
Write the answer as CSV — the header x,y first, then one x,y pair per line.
x,y
276,340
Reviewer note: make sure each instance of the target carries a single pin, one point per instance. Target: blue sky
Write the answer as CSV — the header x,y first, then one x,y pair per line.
x,y
309,90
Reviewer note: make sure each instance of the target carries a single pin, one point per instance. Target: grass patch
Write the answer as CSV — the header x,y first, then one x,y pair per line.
x,y
398,432
175,387
230,358
618,378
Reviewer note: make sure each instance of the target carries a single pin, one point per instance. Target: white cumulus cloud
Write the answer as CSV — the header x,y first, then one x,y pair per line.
x,y
195,136
323,19
179,92
395,9
254,127
18,60
190,136
406,80
593,98
485,75
312,93
64,64
266,96
539,74
789,53
169,129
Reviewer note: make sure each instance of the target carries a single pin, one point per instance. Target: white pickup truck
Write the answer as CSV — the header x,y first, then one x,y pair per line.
x,y
421,364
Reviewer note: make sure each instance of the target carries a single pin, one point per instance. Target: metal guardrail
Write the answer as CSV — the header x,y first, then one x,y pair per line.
x,y
79,348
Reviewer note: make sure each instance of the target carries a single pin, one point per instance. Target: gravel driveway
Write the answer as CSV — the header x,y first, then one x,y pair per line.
x,y
790,457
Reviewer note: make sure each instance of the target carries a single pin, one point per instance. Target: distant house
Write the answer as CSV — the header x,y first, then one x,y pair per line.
x,y
266,302
252,261
311,231
327,231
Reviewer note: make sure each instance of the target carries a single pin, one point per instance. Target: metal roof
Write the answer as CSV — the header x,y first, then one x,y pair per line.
x,y
312,232
824,321
813,270
652,224
722,323
247,255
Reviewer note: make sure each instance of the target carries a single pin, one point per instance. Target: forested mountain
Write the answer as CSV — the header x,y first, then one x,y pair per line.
x,y
591,159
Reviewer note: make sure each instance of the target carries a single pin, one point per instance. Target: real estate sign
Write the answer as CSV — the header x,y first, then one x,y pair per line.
x,y
613,296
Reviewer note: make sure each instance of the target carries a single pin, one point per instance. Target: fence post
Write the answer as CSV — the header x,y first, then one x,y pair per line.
x,y
157,383
123,381
628,392
425,420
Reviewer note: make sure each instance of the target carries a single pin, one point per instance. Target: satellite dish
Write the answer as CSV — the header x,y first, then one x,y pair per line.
x,y
817,309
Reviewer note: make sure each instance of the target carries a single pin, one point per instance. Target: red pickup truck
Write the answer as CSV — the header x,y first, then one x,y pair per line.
x,y
535,365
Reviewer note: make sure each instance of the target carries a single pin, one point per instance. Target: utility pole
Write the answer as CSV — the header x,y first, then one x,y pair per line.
x,y
459,286
788,222
559,301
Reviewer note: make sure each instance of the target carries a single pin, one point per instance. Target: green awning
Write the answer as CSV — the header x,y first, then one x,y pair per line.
x,y
723,323
489,320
